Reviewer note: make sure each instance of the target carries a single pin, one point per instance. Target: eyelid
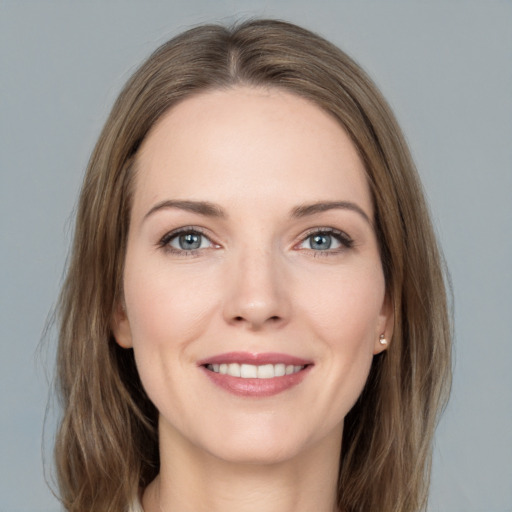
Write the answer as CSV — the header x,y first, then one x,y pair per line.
x,y
164,241
178,231
343,238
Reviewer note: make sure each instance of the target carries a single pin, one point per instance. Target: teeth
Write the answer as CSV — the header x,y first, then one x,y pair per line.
x,y
266,371
279,370
234,369
250,371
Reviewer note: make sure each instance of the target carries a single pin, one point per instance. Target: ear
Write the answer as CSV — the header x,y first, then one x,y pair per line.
x,y
385,325
121,327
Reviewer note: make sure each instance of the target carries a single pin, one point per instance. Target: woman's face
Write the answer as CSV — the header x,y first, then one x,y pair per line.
x,y
254,295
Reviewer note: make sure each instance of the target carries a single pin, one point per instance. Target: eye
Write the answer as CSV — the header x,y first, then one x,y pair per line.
x,y
322,242
326,240
185,241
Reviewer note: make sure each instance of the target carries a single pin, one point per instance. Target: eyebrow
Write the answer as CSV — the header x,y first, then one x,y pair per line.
x,y
212,210
201,207
313,208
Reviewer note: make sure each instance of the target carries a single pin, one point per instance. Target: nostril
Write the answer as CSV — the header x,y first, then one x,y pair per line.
x,y
272,319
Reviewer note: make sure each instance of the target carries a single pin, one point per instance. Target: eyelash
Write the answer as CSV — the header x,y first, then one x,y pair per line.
x,y
165,241
340,236
345,241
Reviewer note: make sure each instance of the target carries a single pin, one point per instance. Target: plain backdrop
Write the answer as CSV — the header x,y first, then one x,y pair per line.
x,y
446,68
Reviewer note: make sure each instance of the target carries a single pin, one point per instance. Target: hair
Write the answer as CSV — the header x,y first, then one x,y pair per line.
x,y
107,443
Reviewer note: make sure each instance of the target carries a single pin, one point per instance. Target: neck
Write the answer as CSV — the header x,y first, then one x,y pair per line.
x,y
192,480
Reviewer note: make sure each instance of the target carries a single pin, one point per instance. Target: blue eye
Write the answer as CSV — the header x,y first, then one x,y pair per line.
x,y
326,240
321,242
185,241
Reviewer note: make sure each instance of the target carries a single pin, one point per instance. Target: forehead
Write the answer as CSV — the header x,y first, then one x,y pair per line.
x,y
245,143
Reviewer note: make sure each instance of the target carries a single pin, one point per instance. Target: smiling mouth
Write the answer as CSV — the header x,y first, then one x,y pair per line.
x,y
261,375
250,371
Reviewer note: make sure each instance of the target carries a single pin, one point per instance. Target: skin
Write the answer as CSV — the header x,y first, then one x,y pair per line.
x,y
257,284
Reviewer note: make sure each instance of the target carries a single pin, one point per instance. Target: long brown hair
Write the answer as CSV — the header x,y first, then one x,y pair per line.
x,y
107,445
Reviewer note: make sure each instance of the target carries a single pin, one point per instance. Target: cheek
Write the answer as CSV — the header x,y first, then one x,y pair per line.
x,y
336,316
346,319
346,306
167,314
167,307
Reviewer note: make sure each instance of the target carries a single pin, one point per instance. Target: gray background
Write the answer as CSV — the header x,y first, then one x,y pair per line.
x,y
446,68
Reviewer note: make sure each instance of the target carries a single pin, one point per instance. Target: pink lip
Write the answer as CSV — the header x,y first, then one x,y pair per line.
x,y
256,387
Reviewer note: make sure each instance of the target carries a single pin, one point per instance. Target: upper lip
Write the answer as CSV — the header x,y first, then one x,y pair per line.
x,y
255,359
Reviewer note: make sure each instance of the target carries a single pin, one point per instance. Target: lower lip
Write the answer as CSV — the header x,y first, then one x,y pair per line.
x,y
256,387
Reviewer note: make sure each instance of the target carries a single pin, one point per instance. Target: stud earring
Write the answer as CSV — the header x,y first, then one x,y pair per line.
x,y
383,340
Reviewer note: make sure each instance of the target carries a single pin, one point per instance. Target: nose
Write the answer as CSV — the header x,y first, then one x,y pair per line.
x,y
256,291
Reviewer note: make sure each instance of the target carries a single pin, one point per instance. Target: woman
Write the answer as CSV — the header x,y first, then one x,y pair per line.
x,y
254,316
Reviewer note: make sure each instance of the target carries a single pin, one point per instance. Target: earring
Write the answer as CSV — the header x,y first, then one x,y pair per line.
x,y
383,340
